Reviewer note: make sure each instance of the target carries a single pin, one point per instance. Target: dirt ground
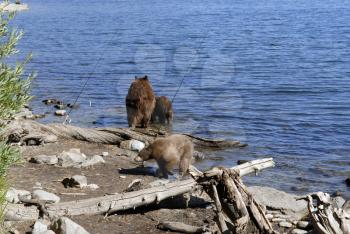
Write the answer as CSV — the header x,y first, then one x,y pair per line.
x,y
108,177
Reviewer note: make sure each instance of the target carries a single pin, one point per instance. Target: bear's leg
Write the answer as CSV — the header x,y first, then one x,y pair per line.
x,y
162,172
186,158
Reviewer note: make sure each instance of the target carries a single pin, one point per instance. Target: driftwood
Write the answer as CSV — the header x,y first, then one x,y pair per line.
x,y
180,227
17,130
129,200
235,203
325,218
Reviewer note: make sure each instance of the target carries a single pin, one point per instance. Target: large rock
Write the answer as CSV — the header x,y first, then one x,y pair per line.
x,y
79,181
42,195
66,226
279,200
45,159
40,226
19,212
96,159
133,145
71,158
12,195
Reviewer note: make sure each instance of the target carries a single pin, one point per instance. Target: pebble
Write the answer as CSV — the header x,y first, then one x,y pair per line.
x,y
60,112
92,186
96,159
122,176
298,231
37,185
285,224
303,224
105,154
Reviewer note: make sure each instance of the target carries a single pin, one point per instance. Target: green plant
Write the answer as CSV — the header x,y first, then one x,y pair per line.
x,y
14,94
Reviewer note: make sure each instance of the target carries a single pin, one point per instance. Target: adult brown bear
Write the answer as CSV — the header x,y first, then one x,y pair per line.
x,y
175,150
163,111
140,102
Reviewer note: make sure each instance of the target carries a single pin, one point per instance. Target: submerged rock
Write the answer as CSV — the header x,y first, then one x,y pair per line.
x,y
66,226
42,195
60,112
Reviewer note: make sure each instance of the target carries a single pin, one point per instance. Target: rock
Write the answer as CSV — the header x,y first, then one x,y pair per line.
x,y
50,139
13,7
48,232
278,220
60,106
346,206
304,224
12,195
285,224
33,140
39,227
71,158
134,185
133,145
122,177
347,181
92,186
60,112
42,195
96,159
279,200
79,181
298,231
20,212
44,159
66,226
269,216
241,161
338,202
52,101
105,154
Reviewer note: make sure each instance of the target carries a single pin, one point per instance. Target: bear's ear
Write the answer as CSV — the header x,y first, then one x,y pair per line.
x,y
146,77
135,77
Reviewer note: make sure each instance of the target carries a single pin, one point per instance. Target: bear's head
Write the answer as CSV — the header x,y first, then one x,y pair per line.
x,y
144,155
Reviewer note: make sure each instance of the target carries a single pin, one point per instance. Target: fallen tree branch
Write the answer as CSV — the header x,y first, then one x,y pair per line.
x,y
130,200
24,128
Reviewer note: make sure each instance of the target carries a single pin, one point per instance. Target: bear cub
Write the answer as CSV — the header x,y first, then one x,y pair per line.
x,y
175,150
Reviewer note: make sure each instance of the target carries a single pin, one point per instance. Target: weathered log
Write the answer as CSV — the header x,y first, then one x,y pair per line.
x,y
325,218
220,216
21,128
180,227
112,203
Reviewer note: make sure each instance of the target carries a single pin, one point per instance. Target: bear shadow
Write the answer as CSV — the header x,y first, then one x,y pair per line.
x,y
150,171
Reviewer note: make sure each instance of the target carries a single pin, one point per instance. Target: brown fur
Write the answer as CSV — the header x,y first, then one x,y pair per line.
x,y
175,150
140,102
163,111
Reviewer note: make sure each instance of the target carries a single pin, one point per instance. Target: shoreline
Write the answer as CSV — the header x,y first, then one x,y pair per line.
x,y
280,206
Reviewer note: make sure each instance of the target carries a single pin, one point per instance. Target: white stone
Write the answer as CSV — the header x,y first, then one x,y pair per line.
x,y
48,232
39,227
12,195
60,112
96,159
122,176
303,224
285,224
71,158
298,231
66,226
45,196
269,216
45,159
105,154
136,145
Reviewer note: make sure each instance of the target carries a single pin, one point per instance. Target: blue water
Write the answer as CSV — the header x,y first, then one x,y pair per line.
x,y
273,74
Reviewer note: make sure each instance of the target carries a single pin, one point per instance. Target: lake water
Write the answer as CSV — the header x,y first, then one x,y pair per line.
x,y
273,74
